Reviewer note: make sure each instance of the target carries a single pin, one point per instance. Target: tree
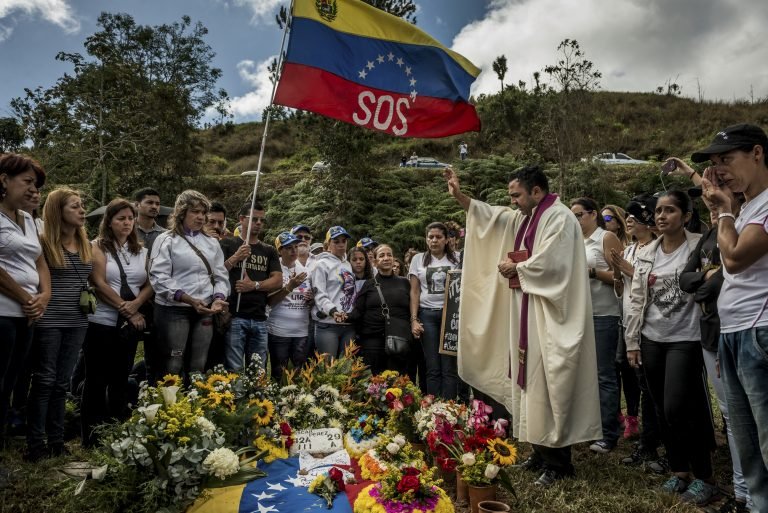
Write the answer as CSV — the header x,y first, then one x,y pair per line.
x,y
129,108
500,68
11,135
573,72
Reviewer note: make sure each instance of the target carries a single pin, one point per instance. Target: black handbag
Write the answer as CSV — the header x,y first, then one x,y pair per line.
x,y
397,332
222,320
127,294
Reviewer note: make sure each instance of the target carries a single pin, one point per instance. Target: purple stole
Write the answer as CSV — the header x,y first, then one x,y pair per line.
x,y
527,234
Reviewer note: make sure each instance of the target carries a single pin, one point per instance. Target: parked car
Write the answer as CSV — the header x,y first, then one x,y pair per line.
x,y
425,162
616,158
320,166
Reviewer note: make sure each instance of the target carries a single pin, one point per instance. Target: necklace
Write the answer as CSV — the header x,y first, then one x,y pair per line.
x,y
126,255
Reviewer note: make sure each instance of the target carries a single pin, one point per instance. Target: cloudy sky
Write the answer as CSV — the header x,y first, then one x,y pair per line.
x,y
714,45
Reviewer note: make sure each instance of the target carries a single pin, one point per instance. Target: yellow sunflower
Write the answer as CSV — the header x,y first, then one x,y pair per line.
x,y
504,453
265,410
170,380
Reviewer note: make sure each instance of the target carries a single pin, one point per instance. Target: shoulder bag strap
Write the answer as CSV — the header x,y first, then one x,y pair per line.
x,y
123,276
74,266
384,307
205,261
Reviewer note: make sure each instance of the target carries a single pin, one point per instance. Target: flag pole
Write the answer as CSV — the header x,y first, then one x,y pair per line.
x,y
264,142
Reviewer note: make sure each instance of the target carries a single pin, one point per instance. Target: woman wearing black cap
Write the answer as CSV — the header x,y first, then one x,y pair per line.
x,y
663,335
740,157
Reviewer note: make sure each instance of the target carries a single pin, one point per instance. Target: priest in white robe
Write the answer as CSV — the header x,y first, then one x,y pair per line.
x,y
531,348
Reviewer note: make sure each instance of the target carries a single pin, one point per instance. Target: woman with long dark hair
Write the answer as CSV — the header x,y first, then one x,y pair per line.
x,y
598,244
25,283
60,332
120,277
428,275
663,335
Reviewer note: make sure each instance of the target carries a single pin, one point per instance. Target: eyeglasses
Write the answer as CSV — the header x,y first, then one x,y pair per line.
x,y
579,215
608,218
303,237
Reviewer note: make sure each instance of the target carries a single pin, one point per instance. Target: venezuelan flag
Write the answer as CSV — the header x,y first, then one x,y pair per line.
x,y
350,61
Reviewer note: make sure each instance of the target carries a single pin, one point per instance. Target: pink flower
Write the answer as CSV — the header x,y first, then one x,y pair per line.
x,y
500,427
396,405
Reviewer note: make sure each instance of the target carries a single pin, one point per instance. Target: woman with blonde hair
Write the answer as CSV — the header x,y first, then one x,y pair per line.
x,y
60,332
191,284
120,277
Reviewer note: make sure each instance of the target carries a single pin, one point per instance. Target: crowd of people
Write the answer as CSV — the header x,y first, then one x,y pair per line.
x,y
585,303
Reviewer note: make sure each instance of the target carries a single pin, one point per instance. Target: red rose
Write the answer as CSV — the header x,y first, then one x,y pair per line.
x,y
651,279
390,397
285,429
407,399
411,471
408,483
337,476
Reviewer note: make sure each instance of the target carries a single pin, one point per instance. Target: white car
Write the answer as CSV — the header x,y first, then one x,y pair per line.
x,y
616,158
426,162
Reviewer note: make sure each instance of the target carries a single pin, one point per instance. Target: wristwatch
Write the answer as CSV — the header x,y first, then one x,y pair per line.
x,y
592,272
256,285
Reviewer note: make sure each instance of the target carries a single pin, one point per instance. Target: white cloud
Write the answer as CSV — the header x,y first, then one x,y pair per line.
x,y
251,105
262,10
58,12
637,44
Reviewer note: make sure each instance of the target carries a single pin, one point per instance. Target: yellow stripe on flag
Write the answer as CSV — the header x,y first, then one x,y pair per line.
x,y
218,500
358,18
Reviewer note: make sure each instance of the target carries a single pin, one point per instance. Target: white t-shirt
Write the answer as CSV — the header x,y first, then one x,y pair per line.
x,y
432,278
290,317
672,315
604,302
743,301
19,250
135,269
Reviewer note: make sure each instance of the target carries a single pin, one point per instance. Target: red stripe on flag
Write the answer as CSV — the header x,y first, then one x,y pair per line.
x,y
315,90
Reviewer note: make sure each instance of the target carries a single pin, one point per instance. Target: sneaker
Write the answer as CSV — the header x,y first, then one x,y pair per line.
x,y
674,485
733,506
533,463
632,427
659,466
550,477
602,447
639,456
58,450
700,493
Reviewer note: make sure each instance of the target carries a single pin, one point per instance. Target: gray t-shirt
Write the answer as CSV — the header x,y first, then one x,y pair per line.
x,y
19,250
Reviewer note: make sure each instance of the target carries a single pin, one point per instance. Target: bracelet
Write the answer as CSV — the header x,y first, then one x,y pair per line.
x,y
693,172
414,318
726,214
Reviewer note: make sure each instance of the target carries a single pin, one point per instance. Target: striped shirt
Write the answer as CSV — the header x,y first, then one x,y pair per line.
x,y
66,284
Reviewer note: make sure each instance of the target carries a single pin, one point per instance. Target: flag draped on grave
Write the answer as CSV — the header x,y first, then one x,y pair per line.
x,y
353,62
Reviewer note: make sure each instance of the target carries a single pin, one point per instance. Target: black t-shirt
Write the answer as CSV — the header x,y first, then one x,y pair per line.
x,y
367,315
263,261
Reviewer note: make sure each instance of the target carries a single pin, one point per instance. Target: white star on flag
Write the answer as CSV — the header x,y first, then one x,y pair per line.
x,y
278,487
413,82
400,61
267,509
407,70
413,95
370,65
295,481
380,59
263,495
391,56
363,74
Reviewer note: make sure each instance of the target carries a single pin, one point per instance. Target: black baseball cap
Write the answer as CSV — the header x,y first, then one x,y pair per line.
x,y
642,208
734,137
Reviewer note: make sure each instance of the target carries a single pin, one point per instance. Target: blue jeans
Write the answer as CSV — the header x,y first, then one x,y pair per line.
x,y
54,354
15,340
606,339
183,339
286,349
245,337
442,370
332,339
744,371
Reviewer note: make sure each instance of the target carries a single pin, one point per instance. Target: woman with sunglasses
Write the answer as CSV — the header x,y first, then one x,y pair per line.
x,y
598,244
664,336
614,222
640,224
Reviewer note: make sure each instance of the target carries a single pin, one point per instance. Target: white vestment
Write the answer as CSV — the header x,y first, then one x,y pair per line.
x,y
560,405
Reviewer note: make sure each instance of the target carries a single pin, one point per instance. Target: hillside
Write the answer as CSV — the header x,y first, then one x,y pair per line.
x,y
393,204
